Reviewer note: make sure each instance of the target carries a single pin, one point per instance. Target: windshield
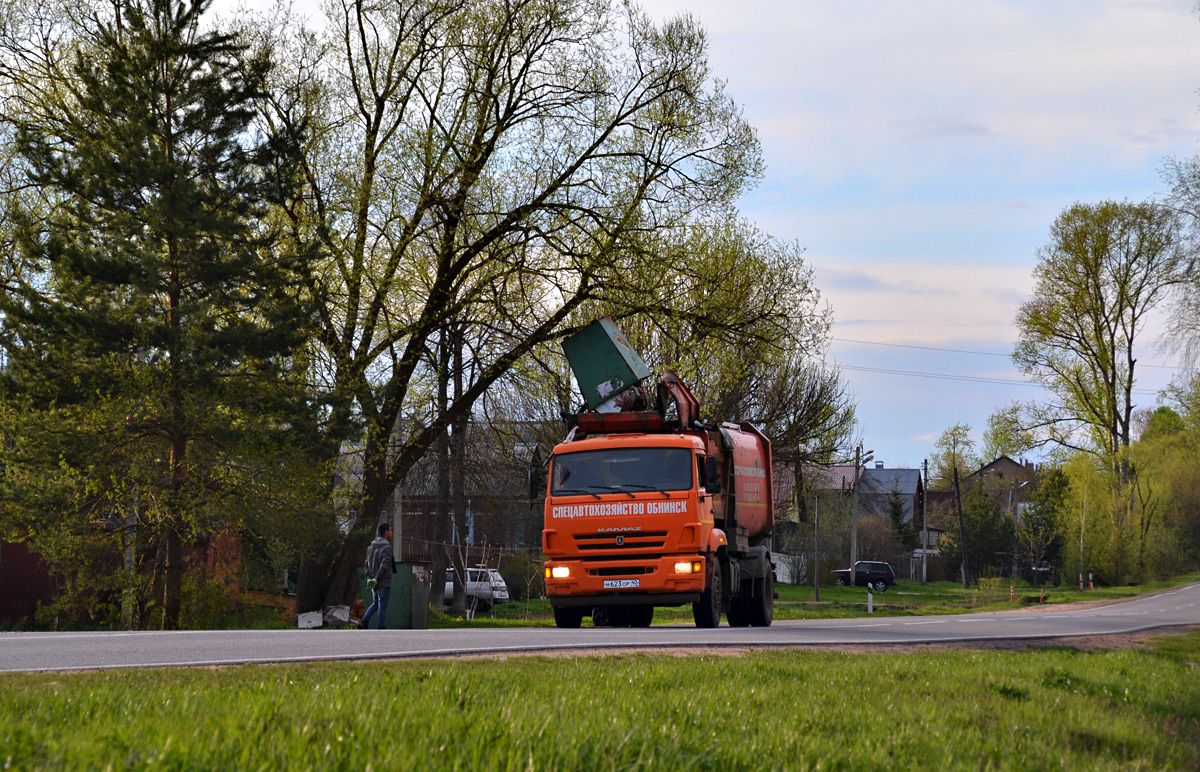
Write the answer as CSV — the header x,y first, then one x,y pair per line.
x,y
622,469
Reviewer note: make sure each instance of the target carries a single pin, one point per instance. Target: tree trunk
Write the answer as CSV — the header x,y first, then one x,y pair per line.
x,y
311,583
442,525
458,449
173,579
962,534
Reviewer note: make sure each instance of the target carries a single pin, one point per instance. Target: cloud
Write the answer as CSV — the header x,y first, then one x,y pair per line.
x,y
936,128
912,302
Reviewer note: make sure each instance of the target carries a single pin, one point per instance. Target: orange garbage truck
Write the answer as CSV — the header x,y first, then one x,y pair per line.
x,y
654,507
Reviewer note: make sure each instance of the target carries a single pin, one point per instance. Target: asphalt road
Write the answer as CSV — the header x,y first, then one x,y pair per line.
x,y
90,651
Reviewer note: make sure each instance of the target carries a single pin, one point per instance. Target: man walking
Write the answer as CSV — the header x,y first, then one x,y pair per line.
x,y
379,570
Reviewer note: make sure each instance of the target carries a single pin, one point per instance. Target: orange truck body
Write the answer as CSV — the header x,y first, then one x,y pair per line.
x,y
644,512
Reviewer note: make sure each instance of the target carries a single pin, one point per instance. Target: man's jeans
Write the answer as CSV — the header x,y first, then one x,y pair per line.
x,y
382,595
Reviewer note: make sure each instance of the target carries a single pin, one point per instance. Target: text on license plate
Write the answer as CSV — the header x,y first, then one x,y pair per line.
x,y
617,584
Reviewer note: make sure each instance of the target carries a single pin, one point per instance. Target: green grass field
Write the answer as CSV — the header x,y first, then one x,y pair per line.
x,y
1049,709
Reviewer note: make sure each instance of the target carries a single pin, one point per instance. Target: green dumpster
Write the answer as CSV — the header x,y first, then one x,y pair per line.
x,y
408,605
603,361
422,576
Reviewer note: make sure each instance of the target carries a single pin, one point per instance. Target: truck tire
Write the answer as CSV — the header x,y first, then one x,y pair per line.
x,y
762,607
640,616
707,611
568,617
840,581
737,615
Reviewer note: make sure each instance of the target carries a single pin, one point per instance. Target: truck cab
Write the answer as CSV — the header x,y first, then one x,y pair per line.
x,y
647,505
659,516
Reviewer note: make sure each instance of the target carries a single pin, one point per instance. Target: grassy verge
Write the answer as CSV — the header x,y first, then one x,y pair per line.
x,y
1047,709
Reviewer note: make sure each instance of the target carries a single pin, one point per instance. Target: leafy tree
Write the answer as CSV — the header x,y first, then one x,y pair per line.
x,y
1166,511
748,333
954,450
1005,435
1040,536
153,342
1183,320
1163,422
1106,268
989,534
483,171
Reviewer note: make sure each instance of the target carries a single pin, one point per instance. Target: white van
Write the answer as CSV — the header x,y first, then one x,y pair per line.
x,y
485,588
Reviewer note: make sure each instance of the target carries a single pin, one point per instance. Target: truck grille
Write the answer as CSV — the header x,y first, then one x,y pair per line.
x,y
626,571
621,541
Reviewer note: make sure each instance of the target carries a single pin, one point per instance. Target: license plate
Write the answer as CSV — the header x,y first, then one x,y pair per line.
x,y
619,584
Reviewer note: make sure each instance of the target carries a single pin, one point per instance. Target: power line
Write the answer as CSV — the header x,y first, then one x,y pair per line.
x,y
922,348
960,351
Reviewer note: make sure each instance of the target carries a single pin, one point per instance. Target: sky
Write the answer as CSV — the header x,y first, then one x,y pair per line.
x,y
920,151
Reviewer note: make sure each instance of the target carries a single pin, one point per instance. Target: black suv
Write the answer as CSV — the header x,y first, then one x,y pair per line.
x,y
878,576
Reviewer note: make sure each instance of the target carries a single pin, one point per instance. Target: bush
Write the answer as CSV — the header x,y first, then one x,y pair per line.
x,y
205,602
522,572
992,589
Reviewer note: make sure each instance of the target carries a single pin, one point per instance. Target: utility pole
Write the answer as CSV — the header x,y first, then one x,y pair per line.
x,y
962,537
816,551
925,521
859,459
854,511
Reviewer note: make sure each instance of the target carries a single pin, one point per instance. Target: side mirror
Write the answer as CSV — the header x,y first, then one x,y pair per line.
x,y
534,487
712,480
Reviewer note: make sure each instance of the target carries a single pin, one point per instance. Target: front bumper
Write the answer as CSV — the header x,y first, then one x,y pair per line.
x,y
649,581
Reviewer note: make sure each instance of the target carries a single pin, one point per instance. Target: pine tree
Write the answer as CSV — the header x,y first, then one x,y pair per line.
x,y
894,508
163,319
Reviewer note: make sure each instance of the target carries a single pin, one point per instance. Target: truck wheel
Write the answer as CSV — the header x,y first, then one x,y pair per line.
x,y
737,615
568,617
707,611
762,609
640,616
840,581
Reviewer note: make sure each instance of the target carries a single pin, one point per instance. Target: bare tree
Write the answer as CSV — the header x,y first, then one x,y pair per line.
x,y
494,163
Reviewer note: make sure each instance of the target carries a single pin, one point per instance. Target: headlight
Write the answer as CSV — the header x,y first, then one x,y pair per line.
x,y
691,567
560,572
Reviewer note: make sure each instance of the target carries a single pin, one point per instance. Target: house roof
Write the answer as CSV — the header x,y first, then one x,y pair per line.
x,y
876,480
830,478
1005,467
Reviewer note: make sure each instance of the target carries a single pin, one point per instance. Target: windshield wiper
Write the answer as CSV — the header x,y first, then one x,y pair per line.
x,y
575,492
610,488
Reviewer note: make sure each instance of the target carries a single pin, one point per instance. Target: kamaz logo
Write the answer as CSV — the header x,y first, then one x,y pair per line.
x,y
620,540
